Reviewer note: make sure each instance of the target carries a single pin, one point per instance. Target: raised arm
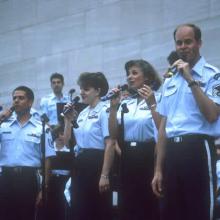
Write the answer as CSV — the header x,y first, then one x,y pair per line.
x,y
206,106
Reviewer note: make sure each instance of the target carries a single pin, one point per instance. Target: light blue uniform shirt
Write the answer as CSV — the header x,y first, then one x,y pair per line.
x,y
138,122
48,106
20,145
179,105
93,127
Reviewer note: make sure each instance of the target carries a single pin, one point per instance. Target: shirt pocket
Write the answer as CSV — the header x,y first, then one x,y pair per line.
x,y
32,139
51,107
170,91
7,135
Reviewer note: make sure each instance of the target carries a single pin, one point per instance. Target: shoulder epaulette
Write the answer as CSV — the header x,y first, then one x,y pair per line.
x,y
209,66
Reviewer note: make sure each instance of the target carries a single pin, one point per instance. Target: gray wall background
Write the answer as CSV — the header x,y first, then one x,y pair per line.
x,y
39,37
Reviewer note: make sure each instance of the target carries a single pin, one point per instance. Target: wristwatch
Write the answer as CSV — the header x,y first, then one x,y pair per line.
x,y
193,83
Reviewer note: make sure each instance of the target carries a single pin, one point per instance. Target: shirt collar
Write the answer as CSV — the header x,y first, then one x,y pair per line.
x,y
31,120
198,67
98,107
53,96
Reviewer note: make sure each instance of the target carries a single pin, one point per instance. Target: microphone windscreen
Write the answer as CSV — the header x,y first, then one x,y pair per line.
x,y
12,108
124,87
71,91
173,57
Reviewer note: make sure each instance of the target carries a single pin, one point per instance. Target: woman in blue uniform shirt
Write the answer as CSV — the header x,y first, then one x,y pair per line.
x,y
137,157
91,196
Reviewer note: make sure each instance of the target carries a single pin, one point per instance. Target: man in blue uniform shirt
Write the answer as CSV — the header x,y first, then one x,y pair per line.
x,y
20,158
48,104
185,168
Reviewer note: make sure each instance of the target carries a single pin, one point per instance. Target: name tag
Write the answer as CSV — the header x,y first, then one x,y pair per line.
x,y
33,135
92,116
6,132
144,108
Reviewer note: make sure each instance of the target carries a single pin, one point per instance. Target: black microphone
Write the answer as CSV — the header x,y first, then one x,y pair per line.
x,y
44,118
73,102
172,58
12,109
5,117
124,108
71,91
111,94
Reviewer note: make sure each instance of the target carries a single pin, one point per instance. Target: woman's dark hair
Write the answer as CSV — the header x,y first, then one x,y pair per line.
x,y
95,80
56,130
153,78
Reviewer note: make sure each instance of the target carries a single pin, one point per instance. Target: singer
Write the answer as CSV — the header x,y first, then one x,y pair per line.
x,y
94,151
20,157
138,146
185,167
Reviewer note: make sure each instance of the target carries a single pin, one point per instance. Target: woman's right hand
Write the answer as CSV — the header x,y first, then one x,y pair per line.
x,y
116,99
72,114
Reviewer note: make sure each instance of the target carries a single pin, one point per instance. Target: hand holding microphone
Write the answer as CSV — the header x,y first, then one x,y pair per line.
x,y
114,93
148,94
184,69
172,58
69,106
6,114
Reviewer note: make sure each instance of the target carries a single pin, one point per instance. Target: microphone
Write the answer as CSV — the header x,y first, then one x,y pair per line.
x,y
111,94
171,71
71,91
172,58
5,116
124,108
44,118
73,102
12,109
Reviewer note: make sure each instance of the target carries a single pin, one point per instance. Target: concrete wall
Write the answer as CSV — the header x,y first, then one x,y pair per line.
x,y
39,37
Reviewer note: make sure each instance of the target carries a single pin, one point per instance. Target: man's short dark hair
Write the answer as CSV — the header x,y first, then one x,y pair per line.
x,y
196,30
29,93
57,76
95,80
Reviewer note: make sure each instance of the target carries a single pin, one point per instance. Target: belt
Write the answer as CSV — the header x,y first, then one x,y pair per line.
x,y
58,173
138,143
19,169
189,137
90,150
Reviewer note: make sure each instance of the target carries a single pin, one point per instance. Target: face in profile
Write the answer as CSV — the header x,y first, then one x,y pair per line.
x,y
135,77
89,95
